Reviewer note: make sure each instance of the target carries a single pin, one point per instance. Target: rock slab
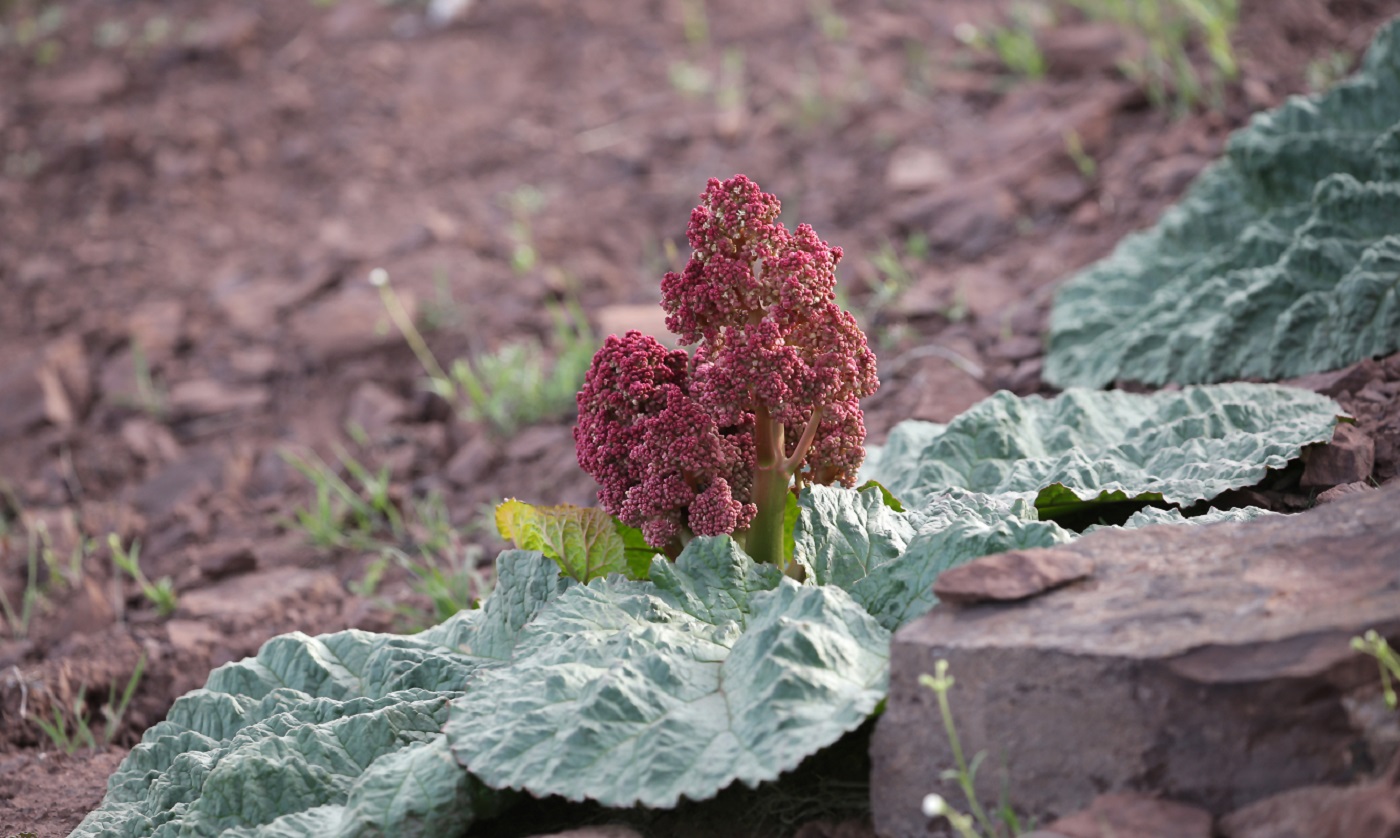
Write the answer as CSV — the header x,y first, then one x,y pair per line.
x,y
1006,577
1371,810
1205,665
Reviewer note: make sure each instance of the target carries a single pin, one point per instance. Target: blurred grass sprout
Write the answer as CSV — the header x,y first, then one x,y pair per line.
x,y
17,618
359,512
1013,44
1168,28
514,386
342,515
80,724
977,822
1371,643
161,593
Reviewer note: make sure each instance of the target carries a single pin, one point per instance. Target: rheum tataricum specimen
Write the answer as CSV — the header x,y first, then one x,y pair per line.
x,y
714,442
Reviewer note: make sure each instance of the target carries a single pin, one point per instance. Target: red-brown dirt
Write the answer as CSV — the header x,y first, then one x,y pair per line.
x,y
192,196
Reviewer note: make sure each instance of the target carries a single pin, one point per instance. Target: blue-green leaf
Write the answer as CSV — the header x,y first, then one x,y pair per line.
x,y
1089,446
1153,516
336,735
1282,260
888,560
716,671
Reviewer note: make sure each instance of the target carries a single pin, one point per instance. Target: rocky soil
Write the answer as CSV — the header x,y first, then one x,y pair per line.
x,y
192,197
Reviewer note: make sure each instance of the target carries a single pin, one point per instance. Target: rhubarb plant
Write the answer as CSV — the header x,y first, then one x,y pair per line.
x,y
726,613
715,442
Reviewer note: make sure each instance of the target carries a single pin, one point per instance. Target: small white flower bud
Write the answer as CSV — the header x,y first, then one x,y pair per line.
x,y
378,277
934,805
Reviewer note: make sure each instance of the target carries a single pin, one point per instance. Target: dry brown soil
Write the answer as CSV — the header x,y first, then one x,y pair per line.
x,y
192,195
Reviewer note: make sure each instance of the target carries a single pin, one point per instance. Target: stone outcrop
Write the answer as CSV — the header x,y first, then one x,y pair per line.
x,y
1370,810
1206,665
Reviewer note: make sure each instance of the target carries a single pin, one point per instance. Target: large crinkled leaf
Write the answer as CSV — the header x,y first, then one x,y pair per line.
x,y
1153,516
387,800
1092,446
293,753
716,671
525,584
888,560
336,735
1283,259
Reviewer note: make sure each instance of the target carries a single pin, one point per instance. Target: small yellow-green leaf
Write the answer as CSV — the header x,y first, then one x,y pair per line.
x,y
585,542
636,550
885,494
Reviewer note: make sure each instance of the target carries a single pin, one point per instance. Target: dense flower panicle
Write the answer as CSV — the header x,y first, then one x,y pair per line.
x,y
839,448
733,233
768,296
627,382
736,219
805,271
716,512
671,438
654,449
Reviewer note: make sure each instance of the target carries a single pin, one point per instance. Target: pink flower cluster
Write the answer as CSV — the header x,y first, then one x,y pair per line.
x,y
762,303
661,461
670,438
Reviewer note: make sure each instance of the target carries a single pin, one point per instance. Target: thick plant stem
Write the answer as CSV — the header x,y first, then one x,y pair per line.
x,y
772,475
770,484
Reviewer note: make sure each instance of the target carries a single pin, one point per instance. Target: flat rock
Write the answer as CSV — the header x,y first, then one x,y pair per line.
x,y
1024,379
1207,665
965,218
943,389
49,386
158,327
220,560
348,323
251,306
609,831
472,462
987,295
149,440
209,397
191,636
67,361
374,409
1005,577
1170,176
1016,348
1082,49
251,607
226,31
198,473
253,363
86,609
1336,382
1054,189
98,81
1348,458
915,168
1370,810
536,441
648,319
1336,493
1138,815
